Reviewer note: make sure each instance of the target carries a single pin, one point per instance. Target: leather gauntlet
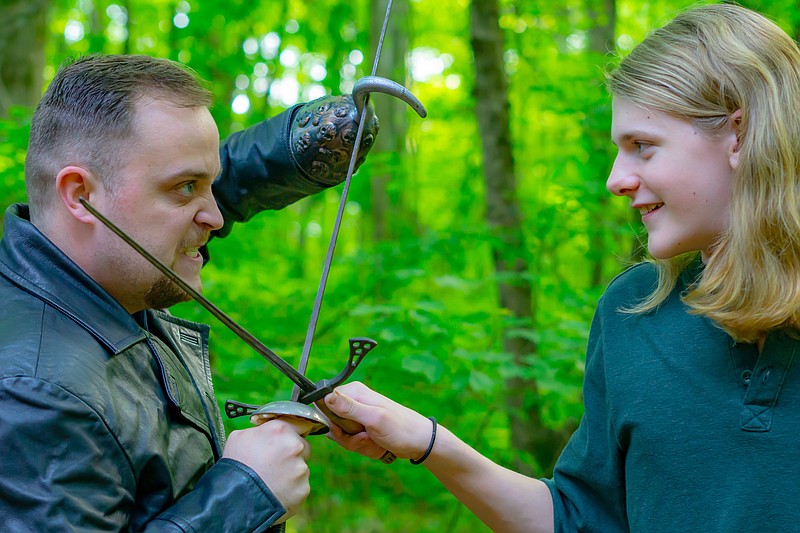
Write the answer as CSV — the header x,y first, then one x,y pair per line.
x,y
322,136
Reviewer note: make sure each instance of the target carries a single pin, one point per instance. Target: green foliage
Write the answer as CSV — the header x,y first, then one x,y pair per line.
x,y
428,294
14,130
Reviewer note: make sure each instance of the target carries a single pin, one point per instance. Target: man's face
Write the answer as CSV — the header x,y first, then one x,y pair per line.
x,y
675,175
162,198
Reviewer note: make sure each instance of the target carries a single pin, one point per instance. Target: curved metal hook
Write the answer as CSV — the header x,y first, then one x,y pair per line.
x,y
377,84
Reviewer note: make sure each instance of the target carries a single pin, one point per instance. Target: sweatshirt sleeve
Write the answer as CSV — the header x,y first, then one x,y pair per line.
x,y
588,484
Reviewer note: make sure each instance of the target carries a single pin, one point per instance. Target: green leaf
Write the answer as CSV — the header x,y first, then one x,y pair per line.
x,y
427,365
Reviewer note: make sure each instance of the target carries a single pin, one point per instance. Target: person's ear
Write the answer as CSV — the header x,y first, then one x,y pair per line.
x,y
735,123
72,184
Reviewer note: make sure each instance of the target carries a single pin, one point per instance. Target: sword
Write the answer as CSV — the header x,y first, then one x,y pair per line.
x,y
361,92
311,392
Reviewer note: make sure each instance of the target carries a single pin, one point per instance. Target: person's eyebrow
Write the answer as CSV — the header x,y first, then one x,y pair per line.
x,y
192,174
633,134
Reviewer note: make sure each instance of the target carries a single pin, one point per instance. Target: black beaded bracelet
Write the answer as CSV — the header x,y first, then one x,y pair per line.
x,y
430,446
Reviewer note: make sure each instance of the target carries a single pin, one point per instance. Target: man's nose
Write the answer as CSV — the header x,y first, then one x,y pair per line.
x,y
209,214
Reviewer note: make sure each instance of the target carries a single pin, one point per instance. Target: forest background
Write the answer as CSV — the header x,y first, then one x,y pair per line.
x,y
475,242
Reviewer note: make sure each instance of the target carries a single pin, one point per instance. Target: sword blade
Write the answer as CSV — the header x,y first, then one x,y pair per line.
x,y
312,324
301,381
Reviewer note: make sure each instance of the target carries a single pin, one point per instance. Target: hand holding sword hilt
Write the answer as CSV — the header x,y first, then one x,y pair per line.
x,y
359,348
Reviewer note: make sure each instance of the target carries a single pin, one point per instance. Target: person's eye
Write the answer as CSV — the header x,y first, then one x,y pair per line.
x,y
641,146
187,188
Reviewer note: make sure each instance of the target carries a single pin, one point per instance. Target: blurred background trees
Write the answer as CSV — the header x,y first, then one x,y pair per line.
x,y
475,243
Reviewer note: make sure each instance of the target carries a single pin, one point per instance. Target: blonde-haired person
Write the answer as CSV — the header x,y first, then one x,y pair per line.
x,y
692,386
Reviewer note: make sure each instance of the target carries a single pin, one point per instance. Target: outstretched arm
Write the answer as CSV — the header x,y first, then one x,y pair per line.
x,y
300,152
502,499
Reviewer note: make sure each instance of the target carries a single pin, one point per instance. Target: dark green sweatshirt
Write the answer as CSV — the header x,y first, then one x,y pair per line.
x,y
684,429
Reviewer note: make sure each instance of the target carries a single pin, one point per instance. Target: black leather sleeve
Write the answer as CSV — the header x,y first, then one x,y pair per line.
x,y
259,172
63,470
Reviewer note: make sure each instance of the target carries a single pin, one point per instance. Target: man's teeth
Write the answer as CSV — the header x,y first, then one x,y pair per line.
x,y
192,252
648,208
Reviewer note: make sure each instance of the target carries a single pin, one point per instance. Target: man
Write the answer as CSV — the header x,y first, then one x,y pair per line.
x,y
108,419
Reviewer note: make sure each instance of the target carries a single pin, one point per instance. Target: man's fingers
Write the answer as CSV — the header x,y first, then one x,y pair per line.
x,y
302,426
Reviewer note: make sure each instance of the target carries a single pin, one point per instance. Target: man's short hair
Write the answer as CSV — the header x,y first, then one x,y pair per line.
x,y
86,116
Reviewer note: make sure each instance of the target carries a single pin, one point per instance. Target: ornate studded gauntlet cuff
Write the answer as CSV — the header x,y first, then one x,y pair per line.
x,y
322,136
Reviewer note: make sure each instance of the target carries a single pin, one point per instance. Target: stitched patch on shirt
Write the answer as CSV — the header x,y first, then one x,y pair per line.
x,y
766,381
756,418
189,338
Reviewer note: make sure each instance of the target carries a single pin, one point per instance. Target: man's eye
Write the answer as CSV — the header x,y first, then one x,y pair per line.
x,y
640,146
187,188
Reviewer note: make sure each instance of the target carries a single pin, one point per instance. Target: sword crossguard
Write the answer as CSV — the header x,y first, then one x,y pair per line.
x,y
359,348
234,409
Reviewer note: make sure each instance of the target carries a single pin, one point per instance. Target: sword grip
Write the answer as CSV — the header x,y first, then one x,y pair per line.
x,y
351,427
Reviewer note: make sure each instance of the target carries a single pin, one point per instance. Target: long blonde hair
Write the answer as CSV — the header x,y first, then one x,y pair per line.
x,y
704,65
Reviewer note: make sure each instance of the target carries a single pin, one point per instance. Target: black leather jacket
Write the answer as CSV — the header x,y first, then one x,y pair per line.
x,y
108,420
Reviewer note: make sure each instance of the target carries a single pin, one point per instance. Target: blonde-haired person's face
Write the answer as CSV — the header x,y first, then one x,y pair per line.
x,y
675,175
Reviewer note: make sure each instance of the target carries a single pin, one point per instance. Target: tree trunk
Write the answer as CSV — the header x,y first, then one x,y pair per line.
x,y
390,142
22,52
391,111
596,129
96,36
510,253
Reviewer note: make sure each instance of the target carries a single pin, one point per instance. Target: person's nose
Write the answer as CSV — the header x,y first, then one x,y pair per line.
x,y
209,214
622,181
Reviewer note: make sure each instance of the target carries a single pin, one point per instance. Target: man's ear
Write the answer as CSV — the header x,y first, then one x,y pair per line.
x,y
72,184
735,122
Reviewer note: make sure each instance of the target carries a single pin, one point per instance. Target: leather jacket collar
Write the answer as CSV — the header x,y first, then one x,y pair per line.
x,y
32,262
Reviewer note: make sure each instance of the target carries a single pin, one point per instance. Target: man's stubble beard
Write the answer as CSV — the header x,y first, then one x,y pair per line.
x,y
164,293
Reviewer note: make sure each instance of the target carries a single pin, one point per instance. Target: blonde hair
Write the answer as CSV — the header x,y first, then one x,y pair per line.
x,y
704,65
